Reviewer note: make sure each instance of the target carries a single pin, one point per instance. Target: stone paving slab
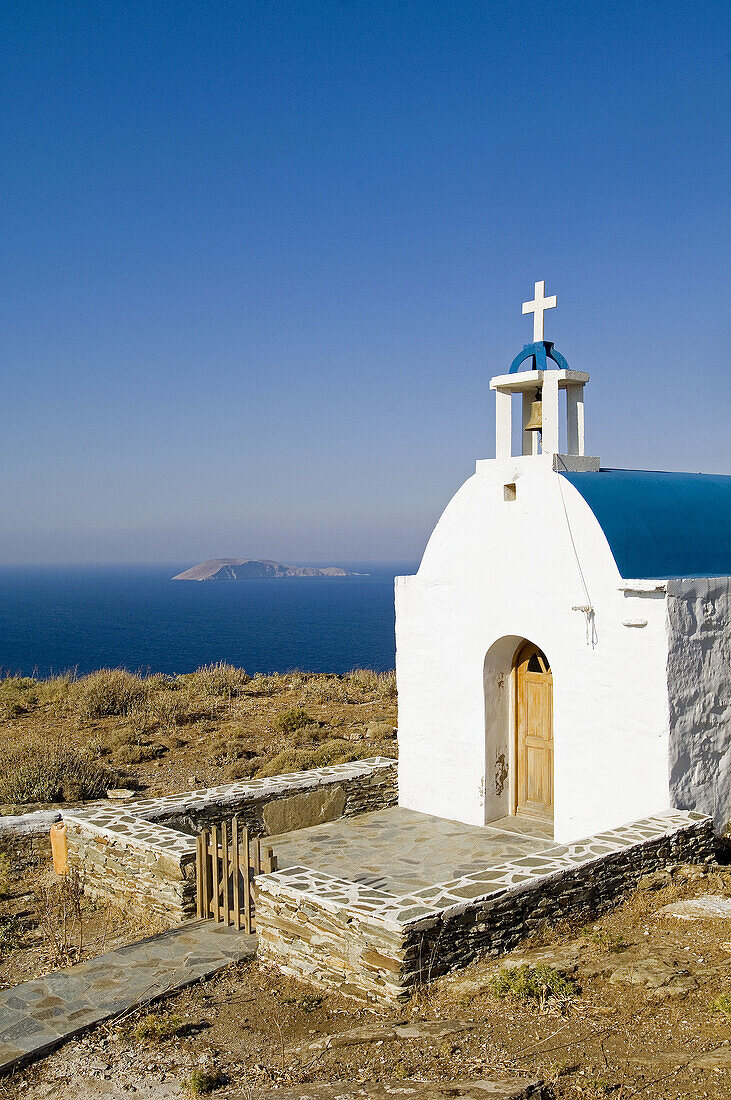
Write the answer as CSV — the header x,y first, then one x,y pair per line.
x,y
494,1088
39,1015
407,869
400,852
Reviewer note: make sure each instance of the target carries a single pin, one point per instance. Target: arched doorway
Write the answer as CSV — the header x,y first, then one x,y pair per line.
x,y
533,694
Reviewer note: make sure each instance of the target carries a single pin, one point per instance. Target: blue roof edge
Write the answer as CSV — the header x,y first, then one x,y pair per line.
x,y
661,525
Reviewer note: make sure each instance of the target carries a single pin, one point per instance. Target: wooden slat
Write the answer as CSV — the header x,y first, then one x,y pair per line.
x,y
247,884
216,879
268,861
206,888
224,874
199,876
235,871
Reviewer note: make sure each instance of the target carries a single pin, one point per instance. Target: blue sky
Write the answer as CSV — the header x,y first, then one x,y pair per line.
x,y
260,260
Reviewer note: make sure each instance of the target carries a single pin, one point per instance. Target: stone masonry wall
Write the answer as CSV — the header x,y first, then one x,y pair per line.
x,y
699,694
367,943
27,837
365,785
141,855
582,894
153,877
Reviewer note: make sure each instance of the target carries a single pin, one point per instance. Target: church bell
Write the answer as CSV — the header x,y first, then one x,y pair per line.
x,y
535,423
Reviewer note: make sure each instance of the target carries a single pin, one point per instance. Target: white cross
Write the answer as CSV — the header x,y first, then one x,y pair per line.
x,y
538,307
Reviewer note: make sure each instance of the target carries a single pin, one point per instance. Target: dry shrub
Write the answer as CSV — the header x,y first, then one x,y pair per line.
x,y
61,918
365,682
18,694
325,689
229,746
170,708
380,731
297,760
242,769
287,721
157,1027
160,681
126,747
266,685
306,735
387,685
219,679
21,694
5,874
53,772
107,693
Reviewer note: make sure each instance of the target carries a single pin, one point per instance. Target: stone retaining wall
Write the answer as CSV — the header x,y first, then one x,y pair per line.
x,y
142,855
26,836
368,943
145,868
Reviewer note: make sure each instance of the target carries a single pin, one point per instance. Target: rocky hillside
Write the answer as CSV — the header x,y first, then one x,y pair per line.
x,y
245,569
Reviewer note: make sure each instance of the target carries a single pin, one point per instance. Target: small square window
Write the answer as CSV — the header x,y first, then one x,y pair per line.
x,y
509,491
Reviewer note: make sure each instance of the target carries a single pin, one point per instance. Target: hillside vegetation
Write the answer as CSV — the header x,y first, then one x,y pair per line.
x,y
68,738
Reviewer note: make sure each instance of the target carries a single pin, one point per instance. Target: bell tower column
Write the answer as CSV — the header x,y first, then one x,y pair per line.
x,y
549,433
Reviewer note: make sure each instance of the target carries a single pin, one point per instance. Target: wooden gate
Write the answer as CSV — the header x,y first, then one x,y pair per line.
x,y
227,859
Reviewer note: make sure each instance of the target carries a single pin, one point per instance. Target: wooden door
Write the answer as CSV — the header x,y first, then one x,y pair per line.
x,y
534,733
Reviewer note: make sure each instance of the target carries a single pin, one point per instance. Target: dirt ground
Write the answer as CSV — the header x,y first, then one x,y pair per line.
x,y
643,1021
46,923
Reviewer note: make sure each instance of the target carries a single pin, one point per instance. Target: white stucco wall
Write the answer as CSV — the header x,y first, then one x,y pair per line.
x,y
699,688
496,572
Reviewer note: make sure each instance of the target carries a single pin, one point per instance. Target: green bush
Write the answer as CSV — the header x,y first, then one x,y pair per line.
x,y
540,984
158,1026
110,692
203,1081
722,1004
287,721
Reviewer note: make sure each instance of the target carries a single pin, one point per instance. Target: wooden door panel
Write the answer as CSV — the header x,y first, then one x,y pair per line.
x,y
534,734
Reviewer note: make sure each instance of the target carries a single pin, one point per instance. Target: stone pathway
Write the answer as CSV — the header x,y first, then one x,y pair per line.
x,y
37,1016
400,850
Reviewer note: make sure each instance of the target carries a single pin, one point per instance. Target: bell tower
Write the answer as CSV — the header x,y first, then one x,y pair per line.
x,y
540,388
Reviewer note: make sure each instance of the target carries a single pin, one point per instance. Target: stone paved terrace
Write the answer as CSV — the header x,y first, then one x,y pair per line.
x,y
376,905
39,1015
399,851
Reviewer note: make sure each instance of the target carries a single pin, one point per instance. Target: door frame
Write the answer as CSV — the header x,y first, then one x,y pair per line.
x,y
514,724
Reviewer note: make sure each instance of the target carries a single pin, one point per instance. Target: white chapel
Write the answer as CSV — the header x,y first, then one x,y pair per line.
x,y
563,653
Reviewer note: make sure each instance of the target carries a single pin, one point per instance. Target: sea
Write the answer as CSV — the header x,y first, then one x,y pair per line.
x,y
81,618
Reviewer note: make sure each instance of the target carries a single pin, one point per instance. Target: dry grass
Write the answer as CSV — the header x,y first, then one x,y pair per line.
x,y
108,692
218,679
40,770
69,739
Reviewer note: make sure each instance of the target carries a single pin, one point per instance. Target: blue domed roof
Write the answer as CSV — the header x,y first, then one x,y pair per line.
x,y
661,524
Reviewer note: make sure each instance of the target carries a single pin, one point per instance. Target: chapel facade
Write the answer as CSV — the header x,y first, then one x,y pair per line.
x,y
563,653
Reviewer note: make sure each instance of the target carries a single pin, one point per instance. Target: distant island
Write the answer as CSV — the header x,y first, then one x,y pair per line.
x,y
246,569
